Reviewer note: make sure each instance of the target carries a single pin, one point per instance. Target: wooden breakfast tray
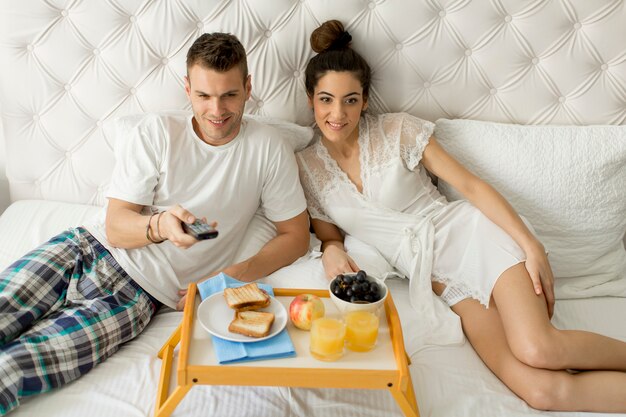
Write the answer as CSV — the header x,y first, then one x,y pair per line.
x,y
384,367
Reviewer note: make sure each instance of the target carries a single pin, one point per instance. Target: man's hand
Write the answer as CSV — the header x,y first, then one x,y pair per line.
x,y
180,305
170,226
231,271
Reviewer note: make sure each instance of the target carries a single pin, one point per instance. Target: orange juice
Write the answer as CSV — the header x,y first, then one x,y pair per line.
x,y
361,330
327,339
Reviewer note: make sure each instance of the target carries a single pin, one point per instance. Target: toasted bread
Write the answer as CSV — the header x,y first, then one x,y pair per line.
x,y
246,297
252,323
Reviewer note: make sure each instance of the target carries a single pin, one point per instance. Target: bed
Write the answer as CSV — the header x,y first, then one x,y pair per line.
x,y
502,78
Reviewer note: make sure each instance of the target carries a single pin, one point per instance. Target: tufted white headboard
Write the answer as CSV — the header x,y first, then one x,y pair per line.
x,y
68,66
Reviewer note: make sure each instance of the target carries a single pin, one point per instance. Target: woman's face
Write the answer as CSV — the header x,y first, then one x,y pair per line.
x,y
337,104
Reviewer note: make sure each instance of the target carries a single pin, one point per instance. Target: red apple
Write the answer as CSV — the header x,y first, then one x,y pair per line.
x,y
305,308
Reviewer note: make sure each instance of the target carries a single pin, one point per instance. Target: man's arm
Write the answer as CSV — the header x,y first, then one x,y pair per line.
x,y
126,227
290,243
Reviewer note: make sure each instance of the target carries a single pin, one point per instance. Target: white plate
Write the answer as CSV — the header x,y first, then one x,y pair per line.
x,y
214,316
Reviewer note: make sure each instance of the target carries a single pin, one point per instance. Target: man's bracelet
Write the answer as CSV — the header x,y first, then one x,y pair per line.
x,y
148,233
158,228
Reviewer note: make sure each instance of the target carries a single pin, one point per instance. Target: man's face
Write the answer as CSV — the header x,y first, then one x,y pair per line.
x,y
217,100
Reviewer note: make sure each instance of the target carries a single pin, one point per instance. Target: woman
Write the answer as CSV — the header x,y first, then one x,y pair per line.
x,y
367,176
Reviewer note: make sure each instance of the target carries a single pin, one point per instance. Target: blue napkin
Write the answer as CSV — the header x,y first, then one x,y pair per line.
x,y
279,346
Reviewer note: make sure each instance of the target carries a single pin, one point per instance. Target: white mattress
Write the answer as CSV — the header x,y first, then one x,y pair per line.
x,y
454,382
448,382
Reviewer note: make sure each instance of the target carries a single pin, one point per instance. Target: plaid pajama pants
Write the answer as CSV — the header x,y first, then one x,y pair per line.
x,y
64,307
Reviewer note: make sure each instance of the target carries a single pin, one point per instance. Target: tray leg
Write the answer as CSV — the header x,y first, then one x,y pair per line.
x,y
406,399
166,404
171,342
170,404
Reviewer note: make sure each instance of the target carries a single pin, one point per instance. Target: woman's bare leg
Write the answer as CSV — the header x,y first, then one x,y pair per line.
x,y
599,391
535,341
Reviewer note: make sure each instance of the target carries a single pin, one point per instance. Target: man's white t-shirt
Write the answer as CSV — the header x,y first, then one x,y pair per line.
x,y
163,162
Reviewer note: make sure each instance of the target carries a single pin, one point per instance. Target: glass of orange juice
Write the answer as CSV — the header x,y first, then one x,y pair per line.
x,y
361,330
328,336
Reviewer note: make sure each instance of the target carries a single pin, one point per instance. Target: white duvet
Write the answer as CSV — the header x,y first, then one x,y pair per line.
x,y
449,381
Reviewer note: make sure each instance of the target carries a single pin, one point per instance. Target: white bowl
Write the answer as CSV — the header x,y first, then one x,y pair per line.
x,y
346,306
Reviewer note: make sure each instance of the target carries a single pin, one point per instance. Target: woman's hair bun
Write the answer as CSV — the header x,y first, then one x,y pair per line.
x,y
330,35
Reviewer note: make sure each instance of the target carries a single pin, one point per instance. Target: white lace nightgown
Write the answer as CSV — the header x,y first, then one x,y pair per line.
x,y
403,215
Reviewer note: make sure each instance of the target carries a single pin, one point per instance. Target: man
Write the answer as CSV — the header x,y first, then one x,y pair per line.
x,y
69,304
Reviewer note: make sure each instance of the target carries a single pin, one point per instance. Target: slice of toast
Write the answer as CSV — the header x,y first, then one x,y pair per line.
x,y
246,297
252,323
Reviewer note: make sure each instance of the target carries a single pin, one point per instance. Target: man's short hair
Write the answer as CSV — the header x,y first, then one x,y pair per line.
x,y
218,51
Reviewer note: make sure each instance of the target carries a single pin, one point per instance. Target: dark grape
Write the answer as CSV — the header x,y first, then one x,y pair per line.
x,y
356,288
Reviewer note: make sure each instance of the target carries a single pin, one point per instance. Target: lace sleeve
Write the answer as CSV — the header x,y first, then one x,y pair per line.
x,y
414,136
311,189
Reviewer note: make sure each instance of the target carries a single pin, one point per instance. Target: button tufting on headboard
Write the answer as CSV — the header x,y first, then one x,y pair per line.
x,y
68,69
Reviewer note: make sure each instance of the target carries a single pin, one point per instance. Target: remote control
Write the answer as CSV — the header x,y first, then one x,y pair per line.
x,y
200,230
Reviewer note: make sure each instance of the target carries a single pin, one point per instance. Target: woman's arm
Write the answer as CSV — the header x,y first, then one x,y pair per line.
x,y
334,257
482,195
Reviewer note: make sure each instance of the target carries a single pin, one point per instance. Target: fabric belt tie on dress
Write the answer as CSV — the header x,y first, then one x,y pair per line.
x,y
436,323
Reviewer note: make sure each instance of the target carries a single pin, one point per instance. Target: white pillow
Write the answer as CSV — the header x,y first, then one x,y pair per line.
x,y
297,136
568,181
26,224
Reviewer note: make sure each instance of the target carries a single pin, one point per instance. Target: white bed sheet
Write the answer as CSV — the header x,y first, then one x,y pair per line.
x,y
125,385
449,382
454,382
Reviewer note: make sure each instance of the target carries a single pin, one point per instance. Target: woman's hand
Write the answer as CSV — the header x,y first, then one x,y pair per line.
x,y
336,261
540,272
